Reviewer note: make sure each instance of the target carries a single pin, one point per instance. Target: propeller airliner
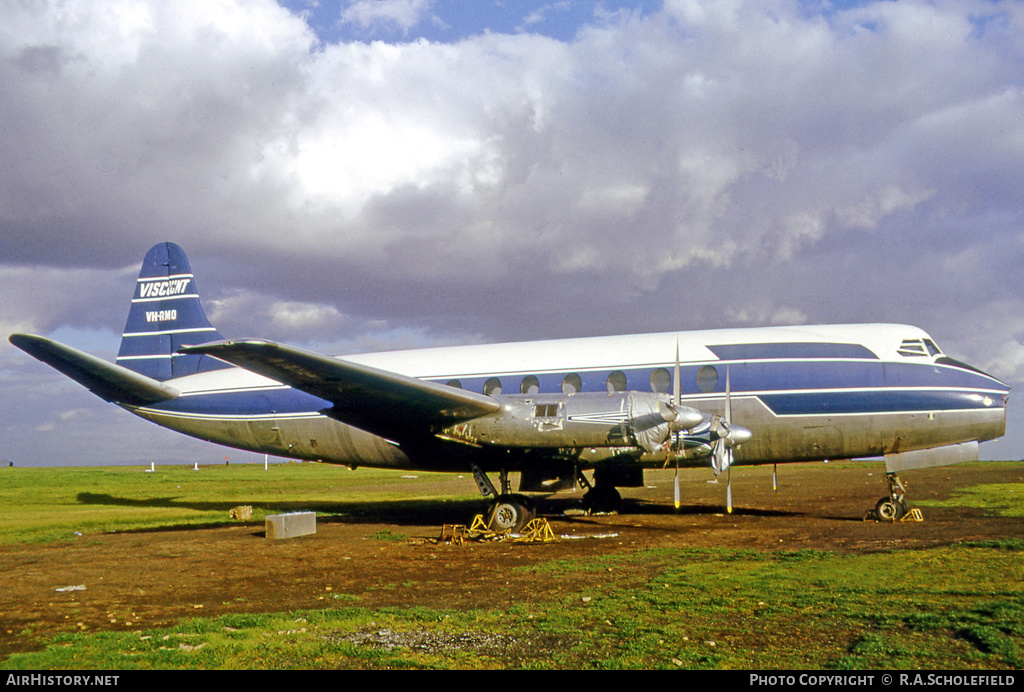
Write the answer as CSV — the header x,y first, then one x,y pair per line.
x,y
549,410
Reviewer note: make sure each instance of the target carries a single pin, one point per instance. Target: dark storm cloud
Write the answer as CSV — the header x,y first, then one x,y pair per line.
x,y
701,164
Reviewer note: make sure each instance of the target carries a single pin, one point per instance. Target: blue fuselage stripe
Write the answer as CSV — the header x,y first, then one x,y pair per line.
x,y
787,388
877,401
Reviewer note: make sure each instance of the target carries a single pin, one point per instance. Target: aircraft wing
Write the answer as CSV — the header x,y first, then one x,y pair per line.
x,y
107,380
379,401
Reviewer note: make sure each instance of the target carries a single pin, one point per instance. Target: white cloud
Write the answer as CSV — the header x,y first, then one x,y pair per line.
x,y
714,133
402,14
708,163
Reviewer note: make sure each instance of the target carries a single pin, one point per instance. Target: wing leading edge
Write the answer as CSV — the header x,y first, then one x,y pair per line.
x,y
378,401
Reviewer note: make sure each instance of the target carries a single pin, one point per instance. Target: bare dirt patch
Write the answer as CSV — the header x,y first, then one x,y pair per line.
x,y
388,555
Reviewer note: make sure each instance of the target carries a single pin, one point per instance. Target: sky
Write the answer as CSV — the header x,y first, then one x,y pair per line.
x,y
380,174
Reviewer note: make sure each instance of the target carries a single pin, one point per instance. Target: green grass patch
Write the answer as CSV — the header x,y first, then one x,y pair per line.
x,y
386,535
44,504
998,499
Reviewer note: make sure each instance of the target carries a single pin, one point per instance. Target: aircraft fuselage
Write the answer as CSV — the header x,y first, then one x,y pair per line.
x,y
810,393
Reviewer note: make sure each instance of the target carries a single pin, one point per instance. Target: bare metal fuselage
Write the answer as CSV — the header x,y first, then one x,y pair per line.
x,y
807,393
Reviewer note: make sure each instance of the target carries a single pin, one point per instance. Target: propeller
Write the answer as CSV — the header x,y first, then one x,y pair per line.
x,y
676,428
677,402
722,451
729,436
725,435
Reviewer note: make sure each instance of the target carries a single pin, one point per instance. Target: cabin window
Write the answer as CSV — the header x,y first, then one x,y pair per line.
x,y
454,383
707,379
529,385
492,387
661,381
572,384
616,382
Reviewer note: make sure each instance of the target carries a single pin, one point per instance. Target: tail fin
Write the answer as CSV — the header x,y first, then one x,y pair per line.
x,y
165,315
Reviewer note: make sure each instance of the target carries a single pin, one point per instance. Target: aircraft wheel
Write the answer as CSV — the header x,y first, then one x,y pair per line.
x,y
510,513
887,510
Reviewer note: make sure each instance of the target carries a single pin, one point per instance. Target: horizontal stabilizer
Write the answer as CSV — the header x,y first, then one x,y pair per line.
x,y
937,456
378,401
106,380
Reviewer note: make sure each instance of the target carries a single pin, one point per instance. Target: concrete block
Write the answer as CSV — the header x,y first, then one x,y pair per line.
x,y
291,525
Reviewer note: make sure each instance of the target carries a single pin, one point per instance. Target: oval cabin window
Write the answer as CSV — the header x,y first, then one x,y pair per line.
x,y
616,382
661,381
572,384
707,379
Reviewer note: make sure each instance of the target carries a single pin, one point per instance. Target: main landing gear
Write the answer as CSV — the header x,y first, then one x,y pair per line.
x,y
508,511
512,511
894,507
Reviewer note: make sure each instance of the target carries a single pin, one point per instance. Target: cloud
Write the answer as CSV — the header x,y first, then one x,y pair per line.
x,y
387,14
44,299
702,164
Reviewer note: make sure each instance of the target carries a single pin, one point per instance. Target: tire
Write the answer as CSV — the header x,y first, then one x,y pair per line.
x,y
887,510
510,513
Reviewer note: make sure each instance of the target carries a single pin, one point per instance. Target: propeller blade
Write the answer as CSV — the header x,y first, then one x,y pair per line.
x,y
728,492
675,490
718,458
728,400
676,389
726,442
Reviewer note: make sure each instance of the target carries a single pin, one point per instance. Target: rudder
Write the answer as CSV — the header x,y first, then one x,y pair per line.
x,y
166,314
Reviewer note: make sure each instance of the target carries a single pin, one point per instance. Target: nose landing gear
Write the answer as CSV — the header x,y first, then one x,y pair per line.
x,y
894,507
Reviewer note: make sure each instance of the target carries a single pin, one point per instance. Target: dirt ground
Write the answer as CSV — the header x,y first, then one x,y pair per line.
x,y
135,581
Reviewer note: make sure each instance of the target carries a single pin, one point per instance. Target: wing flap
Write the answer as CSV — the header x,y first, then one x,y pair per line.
x,y
378,401
106,380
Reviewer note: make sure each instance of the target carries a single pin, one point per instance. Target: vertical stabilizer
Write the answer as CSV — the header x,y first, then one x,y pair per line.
x,y
165,315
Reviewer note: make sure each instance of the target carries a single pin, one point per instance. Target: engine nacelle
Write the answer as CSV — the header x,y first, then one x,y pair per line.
x,y
618,419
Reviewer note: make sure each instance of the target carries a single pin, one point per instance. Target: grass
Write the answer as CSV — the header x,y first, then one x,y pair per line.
x,y
45,504
953,607
701,608
1004,499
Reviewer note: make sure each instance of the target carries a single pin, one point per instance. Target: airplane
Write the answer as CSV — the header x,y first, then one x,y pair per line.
x,y
550,410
